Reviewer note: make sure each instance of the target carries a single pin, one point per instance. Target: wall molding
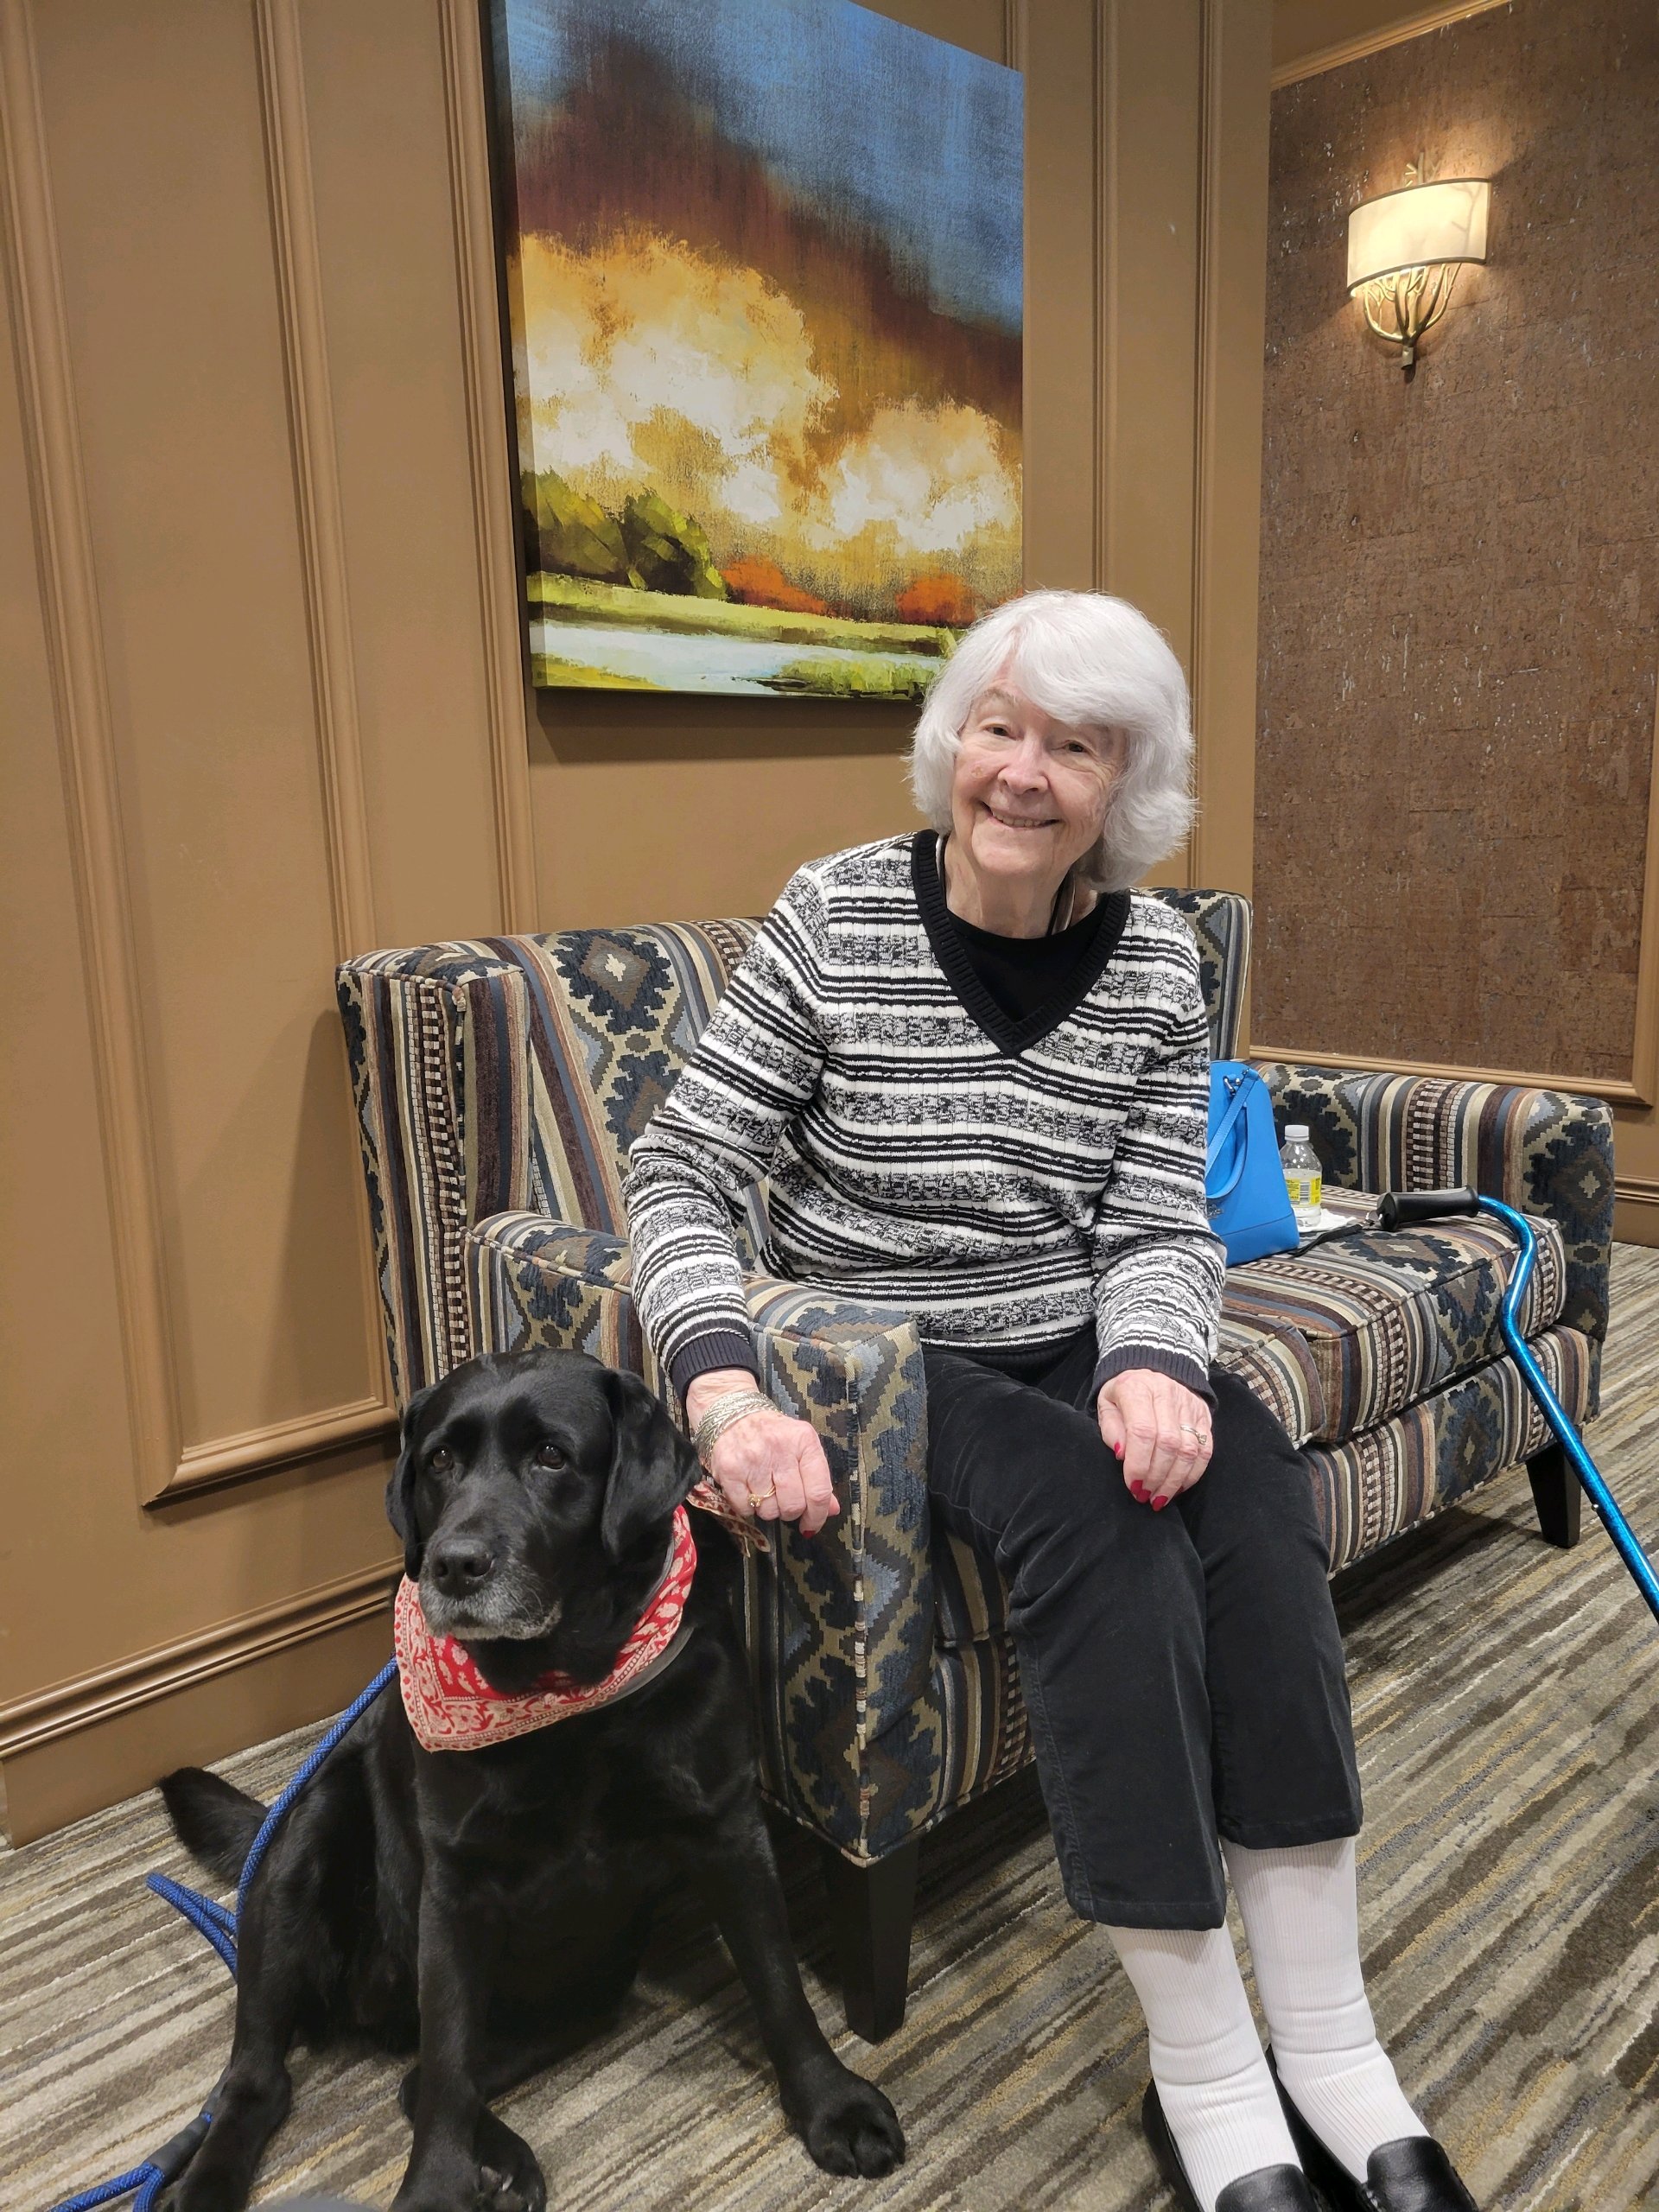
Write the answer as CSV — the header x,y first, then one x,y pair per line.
x,y
316,470
1107,288
1226,528
1014,35
87,1700
1431,18
494,474
283,1443
74,645
1205,423
164,1464
319,514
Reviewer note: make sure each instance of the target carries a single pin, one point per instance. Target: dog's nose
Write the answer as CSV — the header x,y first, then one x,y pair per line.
x,y
460,1564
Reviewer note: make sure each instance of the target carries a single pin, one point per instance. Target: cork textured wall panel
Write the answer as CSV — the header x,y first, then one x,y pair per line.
x,y
1460,577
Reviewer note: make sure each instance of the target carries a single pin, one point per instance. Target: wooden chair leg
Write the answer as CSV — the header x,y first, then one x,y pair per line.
x,y
1558,1496
870,1909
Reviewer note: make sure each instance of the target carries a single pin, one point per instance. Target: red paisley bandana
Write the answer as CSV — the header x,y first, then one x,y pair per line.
x,y
451,1708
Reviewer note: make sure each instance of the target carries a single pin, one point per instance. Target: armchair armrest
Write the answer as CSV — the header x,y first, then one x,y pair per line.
x,y
846,1617
1542,1152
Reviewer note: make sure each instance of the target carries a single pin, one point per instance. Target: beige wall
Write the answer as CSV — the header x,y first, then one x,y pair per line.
x,y
260,682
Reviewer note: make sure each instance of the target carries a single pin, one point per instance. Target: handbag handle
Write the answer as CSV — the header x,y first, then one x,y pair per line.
x,y
1236,1106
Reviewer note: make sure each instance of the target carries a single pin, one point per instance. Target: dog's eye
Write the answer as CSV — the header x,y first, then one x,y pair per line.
x,y
549,1458
441,1461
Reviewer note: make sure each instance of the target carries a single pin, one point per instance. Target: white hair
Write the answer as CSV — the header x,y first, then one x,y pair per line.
x,y
1095,663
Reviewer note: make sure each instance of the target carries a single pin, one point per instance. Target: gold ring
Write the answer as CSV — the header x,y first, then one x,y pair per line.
x,y
758,1498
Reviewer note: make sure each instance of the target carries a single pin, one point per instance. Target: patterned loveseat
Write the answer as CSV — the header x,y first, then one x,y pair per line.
x,y
499,1085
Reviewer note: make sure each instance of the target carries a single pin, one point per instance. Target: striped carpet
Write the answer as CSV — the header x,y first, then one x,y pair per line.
x,y
1506,1698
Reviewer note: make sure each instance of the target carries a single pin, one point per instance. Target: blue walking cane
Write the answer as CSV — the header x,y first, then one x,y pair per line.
x,y
1399,1208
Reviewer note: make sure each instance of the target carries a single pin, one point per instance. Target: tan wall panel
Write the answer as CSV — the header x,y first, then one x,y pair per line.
x,y
1232,310
67,1445
163,236
633,824
1062,431
374,79
74,1524
1152,87
982,26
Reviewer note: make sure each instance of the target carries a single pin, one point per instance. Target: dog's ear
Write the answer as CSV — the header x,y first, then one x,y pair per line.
x,y
400,1490
652,1465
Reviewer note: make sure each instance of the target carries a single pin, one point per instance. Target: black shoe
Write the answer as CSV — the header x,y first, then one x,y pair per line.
x,y
1269,2188
1412,2174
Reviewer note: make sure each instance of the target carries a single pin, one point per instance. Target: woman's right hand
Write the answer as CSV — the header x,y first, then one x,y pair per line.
x,y
767,1464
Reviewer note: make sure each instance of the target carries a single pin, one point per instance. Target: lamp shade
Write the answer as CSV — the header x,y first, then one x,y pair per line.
x,y
1417,227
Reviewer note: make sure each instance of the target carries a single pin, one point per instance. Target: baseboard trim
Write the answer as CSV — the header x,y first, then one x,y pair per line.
x,y
1635,1209
67,1778
89,1700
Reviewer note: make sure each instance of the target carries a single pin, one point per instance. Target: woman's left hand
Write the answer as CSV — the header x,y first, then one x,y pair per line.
x,y
1159,1428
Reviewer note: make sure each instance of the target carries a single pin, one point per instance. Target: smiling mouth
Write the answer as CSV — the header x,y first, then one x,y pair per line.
x,y
1016,822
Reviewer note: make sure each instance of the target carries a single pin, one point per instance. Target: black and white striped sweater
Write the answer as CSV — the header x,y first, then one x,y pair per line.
x,y
997,1180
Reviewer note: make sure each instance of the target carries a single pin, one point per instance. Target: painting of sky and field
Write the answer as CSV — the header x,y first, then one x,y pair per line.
x,y
765,281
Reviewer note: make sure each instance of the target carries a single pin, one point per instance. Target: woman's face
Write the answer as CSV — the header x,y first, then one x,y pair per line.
x,y
1028,794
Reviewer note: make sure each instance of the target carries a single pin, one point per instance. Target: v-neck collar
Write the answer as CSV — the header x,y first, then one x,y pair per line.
x,y
951,952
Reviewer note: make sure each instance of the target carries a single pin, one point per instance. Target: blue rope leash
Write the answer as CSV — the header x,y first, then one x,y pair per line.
x,y
106,2190
347,1719
219,1924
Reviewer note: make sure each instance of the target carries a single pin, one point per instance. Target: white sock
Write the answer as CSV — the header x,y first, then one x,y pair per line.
x,y
1301,1914
1207,2060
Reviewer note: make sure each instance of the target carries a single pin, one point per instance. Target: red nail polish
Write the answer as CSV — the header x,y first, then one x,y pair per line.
x,y
1118,1448
1159,1503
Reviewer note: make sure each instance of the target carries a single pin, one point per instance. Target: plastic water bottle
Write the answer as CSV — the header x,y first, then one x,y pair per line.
x,y
1304,1177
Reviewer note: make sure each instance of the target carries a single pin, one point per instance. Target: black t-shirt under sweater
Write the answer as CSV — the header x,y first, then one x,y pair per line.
x,y
1017,989
1024,974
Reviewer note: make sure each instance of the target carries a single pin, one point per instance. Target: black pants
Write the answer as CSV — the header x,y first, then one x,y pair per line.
x,y
1182,1669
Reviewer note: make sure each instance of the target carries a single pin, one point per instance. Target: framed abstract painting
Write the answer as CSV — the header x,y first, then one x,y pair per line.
x,y
764,275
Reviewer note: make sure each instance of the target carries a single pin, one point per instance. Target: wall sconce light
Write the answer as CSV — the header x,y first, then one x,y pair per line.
x,y
1405,249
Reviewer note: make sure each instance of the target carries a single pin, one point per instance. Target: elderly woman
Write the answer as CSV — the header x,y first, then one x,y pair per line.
x,y
972,1064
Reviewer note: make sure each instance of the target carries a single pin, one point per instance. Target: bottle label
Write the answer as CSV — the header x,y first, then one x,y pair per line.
x,y
1306,1188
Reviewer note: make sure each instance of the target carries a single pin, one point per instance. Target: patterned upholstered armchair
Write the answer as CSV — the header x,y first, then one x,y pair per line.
x,y
500,1084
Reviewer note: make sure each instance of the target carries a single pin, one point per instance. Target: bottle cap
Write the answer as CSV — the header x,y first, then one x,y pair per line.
x,y
1295,1132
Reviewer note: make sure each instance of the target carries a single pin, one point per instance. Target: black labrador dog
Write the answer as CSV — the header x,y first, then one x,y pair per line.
x,y
489,1907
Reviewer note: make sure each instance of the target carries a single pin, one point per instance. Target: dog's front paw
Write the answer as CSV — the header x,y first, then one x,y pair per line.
x,y
509,2175
849,2126
504,2179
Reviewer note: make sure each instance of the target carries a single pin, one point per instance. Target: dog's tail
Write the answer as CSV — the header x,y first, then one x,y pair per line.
x,y
215,1821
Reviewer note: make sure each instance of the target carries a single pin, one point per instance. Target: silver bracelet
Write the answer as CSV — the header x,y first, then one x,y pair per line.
x,y
724,1413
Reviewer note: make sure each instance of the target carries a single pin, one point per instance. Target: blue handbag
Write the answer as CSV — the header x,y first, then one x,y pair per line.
x,y
1243,1182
